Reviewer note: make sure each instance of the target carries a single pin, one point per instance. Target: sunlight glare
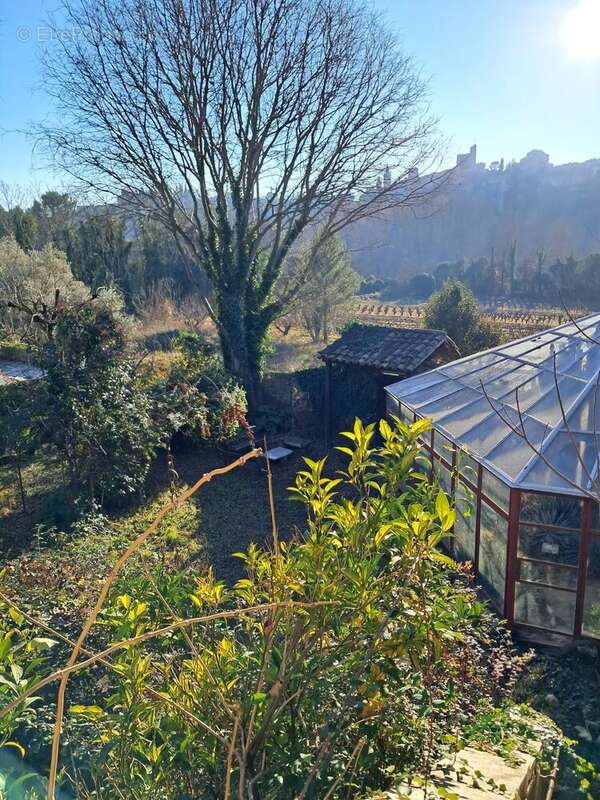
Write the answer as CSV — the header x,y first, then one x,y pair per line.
x,y
580,31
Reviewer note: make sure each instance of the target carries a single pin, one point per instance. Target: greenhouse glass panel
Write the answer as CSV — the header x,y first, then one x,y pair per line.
x,y
548,408
482,438
392,406
592,329
406,414
444,477
443,447
545,354
579,360
514,452
496,490
463,367
591,609
585,367
520,348
465,522
595,521
551,509
564,354
575,328
467,466
420,396
568,462
483,376
423,462
548,574
421,381
544,607
493,538
530,392
549,544
506,383
585,417
445,405
463,419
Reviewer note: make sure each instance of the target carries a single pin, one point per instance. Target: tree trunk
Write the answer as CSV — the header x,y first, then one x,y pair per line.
x,y
242,339
20,482
326,324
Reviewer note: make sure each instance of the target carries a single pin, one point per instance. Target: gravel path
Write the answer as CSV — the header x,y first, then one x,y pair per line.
x,y
18,371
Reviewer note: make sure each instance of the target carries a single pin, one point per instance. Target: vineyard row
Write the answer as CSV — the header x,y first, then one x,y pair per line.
x,y
515,322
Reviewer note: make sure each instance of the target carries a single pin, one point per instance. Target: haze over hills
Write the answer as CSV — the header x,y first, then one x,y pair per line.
x,y
542,206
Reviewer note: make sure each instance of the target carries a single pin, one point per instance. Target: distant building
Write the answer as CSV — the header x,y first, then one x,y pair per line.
x,y
535,160
467,160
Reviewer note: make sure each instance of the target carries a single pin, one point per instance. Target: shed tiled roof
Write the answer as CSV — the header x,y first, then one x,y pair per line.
x,y
401,350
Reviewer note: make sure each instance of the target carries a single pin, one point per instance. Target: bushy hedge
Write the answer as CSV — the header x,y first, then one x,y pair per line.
x,y
104,414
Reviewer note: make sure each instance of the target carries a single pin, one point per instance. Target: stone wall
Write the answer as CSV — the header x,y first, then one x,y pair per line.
x,y
481,775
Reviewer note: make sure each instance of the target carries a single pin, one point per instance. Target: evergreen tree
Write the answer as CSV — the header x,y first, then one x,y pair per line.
x,y
454,309
54,218
330,284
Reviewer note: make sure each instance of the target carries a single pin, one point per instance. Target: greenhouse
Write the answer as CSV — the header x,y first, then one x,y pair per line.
x,y
514,440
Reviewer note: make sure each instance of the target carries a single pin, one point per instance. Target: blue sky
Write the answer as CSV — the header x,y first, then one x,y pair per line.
x,y
509,75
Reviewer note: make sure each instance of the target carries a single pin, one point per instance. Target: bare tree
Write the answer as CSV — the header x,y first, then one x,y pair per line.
x,y
238,124
12,196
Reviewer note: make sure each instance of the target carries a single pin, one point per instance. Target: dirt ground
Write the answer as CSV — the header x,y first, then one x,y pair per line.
x,y
566,687
234,508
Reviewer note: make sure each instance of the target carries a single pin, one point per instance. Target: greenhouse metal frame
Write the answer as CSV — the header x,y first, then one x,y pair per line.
x,y
515,440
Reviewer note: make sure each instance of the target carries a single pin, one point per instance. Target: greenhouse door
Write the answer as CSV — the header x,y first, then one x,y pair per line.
x,y
546,578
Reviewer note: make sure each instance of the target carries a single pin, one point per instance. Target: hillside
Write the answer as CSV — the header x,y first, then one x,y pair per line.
x,y
542,206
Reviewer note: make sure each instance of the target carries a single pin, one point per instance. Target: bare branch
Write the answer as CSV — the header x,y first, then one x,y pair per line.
x,y
237,124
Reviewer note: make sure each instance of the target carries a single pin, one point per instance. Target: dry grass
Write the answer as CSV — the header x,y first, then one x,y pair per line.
x,y
223,526
158,364
290,352
293,352
42,480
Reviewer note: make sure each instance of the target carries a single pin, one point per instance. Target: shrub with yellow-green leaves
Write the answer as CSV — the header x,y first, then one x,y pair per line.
x,y
348,656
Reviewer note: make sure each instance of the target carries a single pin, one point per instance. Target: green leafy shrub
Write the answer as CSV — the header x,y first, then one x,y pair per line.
x,y
454,309
69,563
104,416
23,659
341,661
91,409
224,400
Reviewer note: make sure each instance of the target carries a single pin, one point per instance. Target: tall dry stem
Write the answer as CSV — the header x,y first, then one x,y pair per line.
x,y
91,619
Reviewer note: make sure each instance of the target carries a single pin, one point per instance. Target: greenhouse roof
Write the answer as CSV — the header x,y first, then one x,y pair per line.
x,y
529,410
